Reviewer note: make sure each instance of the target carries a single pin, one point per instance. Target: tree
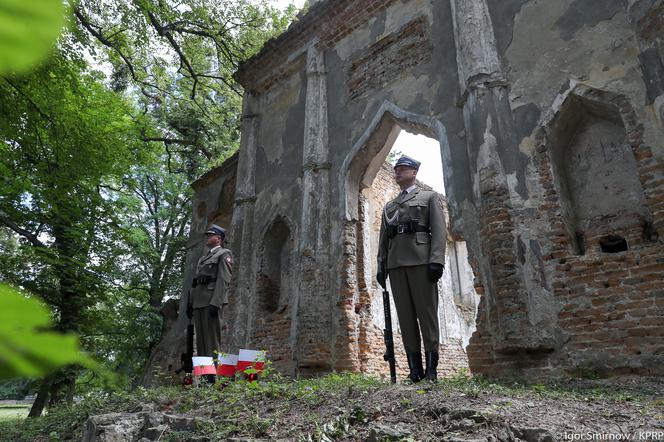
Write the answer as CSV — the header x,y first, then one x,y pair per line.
x,y
181,56
64,135
176,58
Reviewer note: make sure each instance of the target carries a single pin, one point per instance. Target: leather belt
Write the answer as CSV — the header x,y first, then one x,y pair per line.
x,y
404,228
202,280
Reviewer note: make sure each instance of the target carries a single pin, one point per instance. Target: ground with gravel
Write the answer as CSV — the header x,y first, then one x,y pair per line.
x,y
350,407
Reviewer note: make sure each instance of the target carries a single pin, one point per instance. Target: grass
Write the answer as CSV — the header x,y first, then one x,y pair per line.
x,y
231,413
13,412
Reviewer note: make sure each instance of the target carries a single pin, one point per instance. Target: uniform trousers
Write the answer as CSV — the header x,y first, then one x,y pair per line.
x,y
416,300
207,322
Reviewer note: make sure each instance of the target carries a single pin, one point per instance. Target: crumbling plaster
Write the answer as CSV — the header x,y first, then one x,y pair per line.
x,y
491,77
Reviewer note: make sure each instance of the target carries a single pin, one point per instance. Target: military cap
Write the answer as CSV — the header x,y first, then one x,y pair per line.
x,y
216,230
407,161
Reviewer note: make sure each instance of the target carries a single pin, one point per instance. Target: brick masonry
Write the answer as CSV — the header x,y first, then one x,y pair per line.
x,y
389,58
607,307
611,305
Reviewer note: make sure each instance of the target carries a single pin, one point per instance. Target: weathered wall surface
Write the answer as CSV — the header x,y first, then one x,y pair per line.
x,y
590,143
549,118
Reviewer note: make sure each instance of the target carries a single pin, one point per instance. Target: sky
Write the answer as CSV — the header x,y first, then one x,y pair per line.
x,y
427,151
281,4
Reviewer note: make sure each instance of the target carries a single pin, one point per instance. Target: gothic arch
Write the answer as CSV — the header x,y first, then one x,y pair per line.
x,y
275,258
369,152
273,308
358,289
593,135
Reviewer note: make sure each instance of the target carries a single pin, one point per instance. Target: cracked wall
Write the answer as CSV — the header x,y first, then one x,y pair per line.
x,y
549,119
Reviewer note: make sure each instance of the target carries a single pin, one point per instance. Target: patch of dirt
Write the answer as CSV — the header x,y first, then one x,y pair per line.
x,y
616,409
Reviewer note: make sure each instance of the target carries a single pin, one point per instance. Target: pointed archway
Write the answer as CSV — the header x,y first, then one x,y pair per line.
x,y
367,186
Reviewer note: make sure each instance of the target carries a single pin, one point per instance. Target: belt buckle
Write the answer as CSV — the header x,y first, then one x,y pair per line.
x,y
401,228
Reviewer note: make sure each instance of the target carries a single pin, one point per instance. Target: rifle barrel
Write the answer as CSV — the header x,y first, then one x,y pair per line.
x,y
389,337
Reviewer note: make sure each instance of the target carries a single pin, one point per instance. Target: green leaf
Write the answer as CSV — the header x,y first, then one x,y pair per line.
x,y
28,30
27,350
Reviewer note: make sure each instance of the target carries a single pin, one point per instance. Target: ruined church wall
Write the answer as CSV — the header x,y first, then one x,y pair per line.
x,y
404,55
540,108
509,88
590,139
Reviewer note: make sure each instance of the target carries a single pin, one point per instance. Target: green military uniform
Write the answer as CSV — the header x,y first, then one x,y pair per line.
x,y
208,295
412,251
412,236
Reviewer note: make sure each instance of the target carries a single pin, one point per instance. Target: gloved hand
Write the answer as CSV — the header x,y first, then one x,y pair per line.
x,y
214,311
435,271
381,277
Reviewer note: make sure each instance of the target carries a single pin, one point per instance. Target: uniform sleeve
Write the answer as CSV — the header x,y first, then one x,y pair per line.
x,y
382,246
438,229
224,273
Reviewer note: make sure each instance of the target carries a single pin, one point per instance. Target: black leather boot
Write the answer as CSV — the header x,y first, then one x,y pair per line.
x,y
432,364
415,365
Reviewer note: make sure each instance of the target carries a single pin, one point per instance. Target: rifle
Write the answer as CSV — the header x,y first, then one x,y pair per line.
x,y
389,338
186,358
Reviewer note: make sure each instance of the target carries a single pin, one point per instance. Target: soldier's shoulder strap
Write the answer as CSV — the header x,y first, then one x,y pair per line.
x,y
430,195
390,212
221,251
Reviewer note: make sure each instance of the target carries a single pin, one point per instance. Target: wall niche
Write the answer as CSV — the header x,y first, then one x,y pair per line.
x,y
274,274
595,173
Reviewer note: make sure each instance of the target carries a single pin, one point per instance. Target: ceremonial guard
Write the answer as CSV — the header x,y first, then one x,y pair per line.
x,y
412,252
209,292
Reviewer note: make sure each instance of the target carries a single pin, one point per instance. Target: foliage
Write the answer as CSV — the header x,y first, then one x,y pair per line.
x,y
27,350
180,56
393,156
16,389
95,160
65,136
28,30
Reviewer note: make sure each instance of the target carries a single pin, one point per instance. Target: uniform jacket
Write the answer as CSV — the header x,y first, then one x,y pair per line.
x,y
417,248
215,265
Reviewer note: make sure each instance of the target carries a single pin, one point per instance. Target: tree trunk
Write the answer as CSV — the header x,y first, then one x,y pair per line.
x,y
42,397
62,390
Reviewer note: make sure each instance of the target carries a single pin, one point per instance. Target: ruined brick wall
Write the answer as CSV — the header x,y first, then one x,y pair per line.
x,y
549,117
384,61
597,182
275,279
611,300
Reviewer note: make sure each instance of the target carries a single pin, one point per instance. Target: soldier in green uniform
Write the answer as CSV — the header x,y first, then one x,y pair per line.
x,y
209,292
412,252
